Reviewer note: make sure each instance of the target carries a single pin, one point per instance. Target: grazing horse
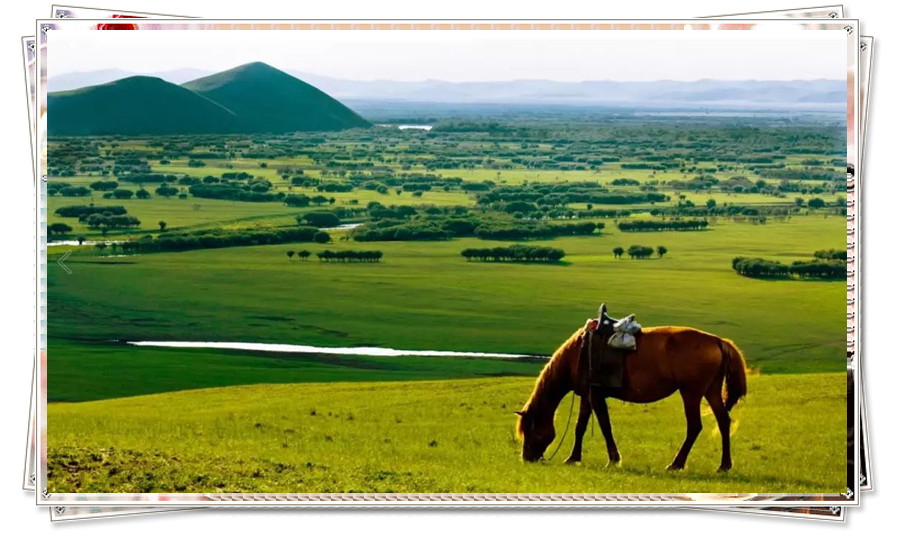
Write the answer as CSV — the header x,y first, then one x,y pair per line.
x,y
667,359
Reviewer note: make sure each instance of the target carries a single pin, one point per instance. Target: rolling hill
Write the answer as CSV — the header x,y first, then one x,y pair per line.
x,y
135,105
268,100
250,98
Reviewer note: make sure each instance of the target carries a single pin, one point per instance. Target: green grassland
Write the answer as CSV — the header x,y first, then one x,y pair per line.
x,y
432,436
126,418
424,295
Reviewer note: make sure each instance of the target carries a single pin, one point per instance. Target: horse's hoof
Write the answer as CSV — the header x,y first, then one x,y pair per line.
x,y
570,460
675,467
724,468
614,463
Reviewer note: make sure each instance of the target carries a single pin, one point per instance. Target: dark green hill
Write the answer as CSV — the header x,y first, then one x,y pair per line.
x,y
268,100
135,106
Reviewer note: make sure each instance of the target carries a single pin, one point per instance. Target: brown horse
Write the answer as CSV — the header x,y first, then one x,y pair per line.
x,y
667,359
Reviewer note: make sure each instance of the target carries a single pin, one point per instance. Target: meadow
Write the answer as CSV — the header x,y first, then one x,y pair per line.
x,y
432,436
256,294
218,420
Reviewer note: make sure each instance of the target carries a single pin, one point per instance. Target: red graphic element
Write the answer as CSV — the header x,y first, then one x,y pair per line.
x,y
121,26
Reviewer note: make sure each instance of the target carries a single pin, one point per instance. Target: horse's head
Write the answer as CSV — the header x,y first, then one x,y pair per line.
x,y
537,432
535,422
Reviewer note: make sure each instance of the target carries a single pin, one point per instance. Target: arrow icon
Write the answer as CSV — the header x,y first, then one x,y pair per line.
x,y
62,259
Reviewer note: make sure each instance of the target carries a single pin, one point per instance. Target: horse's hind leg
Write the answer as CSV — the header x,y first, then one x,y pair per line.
x,y
598,402
715,399
693,428
584,414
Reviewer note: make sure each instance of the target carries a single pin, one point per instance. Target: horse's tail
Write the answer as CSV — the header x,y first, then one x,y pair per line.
x,y
736,377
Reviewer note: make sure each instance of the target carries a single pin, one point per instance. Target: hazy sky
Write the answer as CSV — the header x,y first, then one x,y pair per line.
x,y
777,54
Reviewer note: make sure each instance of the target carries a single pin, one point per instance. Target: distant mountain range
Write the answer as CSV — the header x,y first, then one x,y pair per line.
x,y
250,98
796,94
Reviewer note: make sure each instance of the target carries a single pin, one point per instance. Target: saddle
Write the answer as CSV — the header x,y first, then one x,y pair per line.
x,y
603,365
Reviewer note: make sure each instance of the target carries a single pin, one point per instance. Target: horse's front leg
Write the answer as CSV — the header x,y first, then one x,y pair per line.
x,y
584,414
598,402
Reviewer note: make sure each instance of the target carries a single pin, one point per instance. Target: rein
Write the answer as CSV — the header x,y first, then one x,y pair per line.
x,y
568,422
571,408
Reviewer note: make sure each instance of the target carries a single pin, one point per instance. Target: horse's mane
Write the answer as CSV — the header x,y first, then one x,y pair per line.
x,y
552,370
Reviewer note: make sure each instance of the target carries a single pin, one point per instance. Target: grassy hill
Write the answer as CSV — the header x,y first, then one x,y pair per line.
x,y
269,100
437,436
135,105
252,98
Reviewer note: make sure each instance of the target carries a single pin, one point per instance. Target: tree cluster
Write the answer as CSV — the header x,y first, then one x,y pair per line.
x,y
217,238
831,254
515,253
82,211
662,225
242,193
370,256
639,252
105,221
533,230
824,269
